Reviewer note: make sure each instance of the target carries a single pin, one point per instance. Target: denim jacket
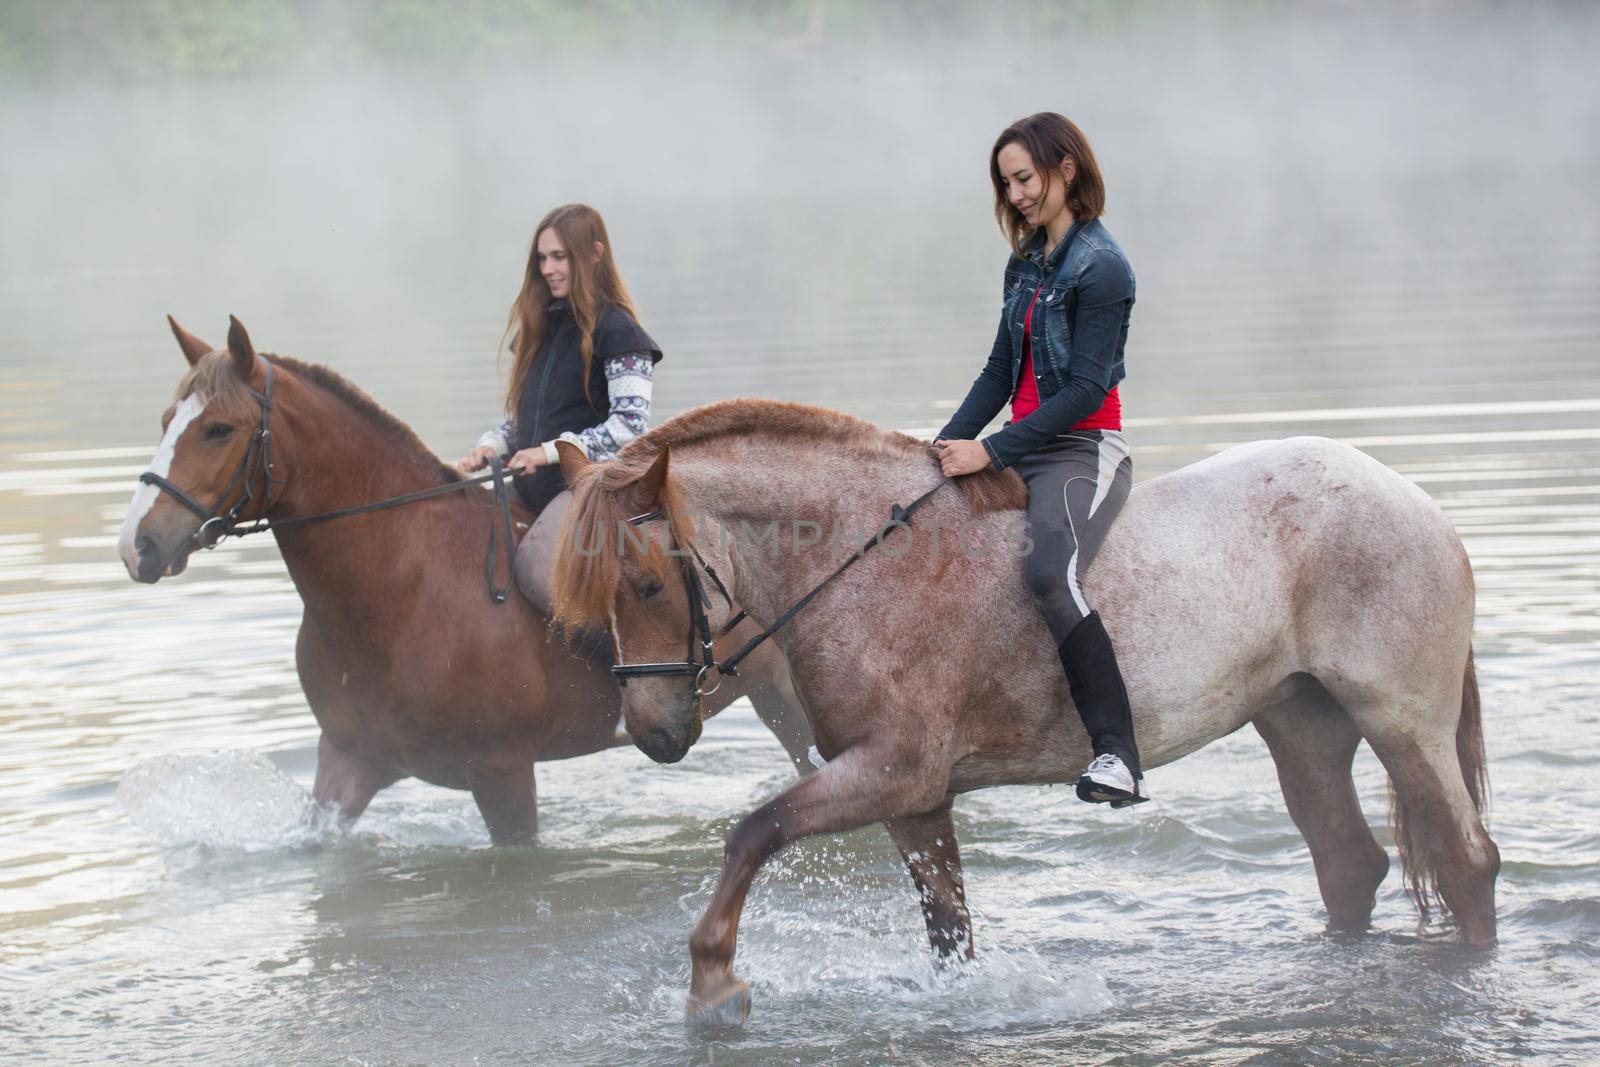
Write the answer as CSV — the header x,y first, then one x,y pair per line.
x,y
1080,325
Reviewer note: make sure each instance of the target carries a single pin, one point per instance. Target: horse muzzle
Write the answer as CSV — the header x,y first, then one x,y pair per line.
x,y
148,561
668,744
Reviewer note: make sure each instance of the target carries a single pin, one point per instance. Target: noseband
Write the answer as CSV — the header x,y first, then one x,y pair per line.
x,y
700,627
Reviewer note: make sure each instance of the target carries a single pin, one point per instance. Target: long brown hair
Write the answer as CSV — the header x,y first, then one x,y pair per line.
x,y
1051,140
590,287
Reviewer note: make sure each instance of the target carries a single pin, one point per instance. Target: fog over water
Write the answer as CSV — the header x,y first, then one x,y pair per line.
x,y
1345,220
1348,150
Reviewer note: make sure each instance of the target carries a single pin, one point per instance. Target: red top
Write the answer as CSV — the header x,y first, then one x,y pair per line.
x,y
1026,400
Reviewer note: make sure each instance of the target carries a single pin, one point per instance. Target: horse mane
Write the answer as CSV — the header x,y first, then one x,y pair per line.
x,y
792,423
584,581
214,378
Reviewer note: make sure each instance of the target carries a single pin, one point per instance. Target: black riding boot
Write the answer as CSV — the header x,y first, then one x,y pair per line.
x,y
1097,689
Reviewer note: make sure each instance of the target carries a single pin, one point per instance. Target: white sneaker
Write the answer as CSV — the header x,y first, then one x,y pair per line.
x,y
1108,778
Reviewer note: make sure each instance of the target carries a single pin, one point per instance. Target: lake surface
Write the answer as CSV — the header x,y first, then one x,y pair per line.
x,y
1383,235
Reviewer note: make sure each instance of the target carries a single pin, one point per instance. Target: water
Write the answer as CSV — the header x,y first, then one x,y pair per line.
x,y
1350,258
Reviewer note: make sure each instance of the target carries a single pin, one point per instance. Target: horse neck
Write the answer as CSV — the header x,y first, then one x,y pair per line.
x,y
848,497
332,457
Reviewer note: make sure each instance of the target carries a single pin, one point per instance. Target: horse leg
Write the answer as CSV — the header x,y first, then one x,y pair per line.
x,y
778,707
927,843
508,801
854,790
345,782
1438,830
764,677
1313,741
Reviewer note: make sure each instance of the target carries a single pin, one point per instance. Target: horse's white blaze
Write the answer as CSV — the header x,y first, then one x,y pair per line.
x,y
616,635
144,497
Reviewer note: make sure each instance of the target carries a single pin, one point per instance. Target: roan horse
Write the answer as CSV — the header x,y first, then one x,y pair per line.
x,y
1297,585
409,667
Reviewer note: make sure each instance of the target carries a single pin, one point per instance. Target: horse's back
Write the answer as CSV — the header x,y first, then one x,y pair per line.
x,y
1275,499
1271,559
1317,503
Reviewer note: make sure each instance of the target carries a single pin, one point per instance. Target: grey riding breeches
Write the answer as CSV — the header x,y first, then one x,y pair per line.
x,y
537,552
1076,485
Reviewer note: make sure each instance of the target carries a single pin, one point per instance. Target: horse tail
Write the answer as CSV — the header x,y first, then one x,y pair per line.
x,y
1410,838
1469,740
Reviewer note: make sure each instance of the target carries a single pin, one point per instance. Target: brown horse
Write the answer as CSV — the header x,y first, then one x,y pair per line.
x,y
408,666
1296,585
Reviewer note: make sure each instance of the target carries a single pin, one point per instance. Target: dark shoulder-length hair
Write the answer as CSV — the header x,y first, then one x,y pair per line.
x,y
1050,140
592,285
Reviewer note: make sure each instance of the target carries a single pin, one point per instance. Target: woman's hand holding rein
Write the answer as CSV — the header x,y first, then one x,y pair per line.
x,y
521,463
525,461
476,459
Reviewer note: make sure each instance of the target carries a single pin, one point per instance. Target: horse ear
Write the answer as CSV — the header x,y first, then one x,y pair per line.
x,y
193,348
651,481
244,353
572,460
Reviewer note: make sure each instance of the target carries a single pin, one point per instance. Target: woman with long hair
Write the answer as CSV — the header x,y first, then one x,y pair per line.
x,y
581,372
1057,358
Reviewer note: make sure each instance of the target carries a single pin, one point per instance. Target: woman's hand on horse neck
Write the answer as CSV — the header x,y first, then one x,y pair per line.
x,y
961,457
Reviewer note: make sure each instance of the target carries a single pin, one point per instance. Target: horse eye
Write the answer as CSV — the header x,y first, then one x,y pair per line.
x,y
648,589
218,431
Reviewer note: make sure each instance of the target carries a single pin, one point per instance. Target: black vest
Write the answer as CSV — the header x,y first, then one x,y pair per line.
x,y
554,401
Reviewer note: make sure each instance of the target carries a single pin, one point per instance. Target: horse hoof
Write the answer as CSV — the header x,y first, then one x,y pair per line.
x,y
727,1005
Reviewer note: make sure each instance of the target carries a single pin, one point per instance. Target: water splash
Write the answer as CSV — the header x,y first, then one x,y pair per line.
x,y
866,960
232,799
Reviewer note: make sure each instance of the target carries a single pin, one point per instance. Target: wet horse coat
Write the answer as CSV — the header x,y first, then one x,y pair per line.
x,y
1296,585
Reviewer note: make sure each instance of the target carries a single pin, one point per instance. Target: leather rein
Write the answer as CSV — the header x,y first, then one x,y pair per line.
x,y
700,628
255,470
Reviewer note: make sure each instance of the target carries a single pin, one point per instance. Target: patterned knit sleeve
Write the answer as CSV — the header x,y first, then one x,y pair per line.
x,y
628,382
498,438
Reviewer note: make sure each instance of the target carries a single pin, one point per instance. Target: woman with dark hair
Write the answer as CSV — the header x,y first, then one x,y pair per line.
x,y
581,372
1057,357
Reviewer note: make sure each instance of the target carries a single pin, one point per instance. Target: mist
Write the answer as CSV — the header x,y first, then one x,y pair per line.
x,y
791,190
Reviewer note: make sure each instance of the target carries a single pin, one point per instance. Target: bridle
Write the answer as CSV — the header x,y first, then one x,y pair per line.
x,y
218,523
699,626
